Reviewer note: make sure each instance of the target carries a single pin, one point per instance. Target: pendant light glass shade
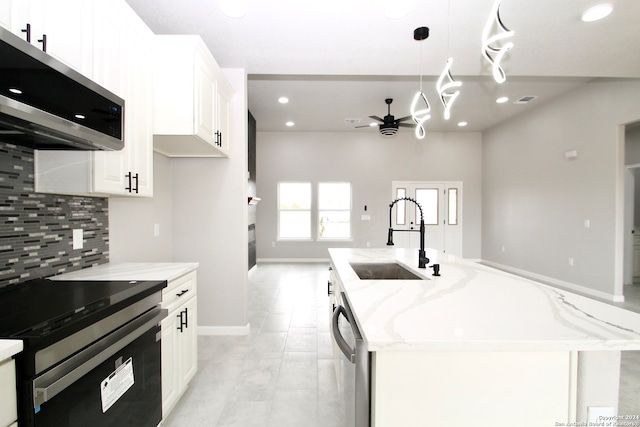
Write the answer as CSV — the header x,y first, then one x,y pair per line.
x,y
420,110
492,50
447,95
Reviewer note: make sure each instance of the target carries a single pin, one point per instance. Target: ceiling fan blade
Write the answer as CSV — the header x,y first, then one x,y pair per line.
x,y
406,125
364,126
404,118
376,118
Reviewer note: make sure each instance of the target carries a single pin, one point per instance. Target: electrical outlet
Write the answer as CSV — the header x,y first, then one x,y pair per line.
x,y
503,248
78,238
156,230
571,262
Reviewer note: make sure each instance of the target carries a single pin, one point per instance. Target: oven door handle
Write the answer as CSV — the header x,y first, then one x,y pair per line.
x,y
349,353
56,380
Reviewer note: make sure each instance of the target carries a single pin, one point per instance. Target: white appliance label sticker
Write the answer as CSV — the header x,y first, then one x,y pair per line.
x,y
116,384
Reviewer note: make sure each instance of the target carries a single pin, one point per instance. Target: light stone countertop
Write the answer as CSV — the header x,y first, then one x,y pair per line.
x,y
9,348
475,308
131,271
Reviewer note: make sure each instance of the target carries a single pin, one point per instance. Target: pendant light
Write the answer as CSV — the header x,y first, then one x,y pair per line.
x,y
489,47
420,108
448,92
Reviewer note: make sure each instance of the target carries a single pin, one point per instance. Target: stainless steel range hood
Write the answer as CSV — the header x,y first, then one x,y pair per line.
x,y
44,104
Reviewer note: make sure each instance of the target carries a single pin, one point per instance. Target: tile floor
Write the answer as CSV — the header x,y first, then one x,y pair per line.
x,y
282,373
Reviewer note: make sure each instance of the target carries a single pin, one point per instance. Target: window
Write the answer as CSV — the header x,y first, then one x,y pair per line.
x,y
334,210
453,206
294,210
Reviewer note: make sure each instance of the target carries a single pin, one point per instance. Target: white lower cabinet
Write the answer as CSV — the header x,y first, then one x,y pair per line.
x,y
179,339
8,402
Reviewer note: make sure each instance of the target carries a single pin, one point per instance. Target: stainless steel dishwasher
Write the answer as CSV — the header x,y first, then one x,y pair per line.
x,y
354,382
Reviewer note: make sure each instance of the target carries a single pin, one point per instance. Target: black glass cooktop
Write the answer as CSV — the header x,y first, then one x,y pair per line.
x,y
39,307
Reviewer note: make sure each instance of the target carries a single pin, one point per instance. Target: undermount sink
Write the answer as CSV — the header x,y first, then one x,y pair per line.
x,y
383,271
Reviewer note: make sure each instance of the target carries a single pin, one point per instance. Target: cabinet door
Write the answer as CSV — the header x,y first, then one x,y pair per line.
x,y
139,108
66,25
204,97
189,348
223,119
110,168
170,391
8,411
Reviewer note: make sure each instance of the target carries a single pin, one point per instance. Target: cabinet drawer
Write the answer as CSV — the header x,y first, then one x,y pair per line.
x,y
179,289
636,240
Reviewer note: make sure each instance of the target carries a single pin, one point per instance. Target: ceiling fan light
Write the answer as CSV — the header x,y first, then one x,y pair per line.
x,y
597,12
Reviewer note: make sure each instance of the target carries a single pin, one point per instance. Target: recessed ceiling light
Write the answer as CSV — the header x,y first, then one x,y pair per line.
x,y
597,12
289,124
283,100
462,124
234,8
374,124
502,100
80,116
15,90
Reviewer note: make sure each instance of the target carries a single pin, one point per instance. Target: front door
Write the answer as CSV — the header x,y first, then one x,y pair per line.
x,y
440,203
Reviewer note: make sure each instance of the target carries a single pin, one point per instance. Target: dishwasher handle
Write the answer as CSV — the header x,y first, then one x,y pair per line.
x,y
349,353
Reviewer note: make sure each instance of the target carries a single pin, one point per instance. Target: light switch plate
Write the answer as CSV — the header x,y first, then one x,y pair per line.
x,y
78,238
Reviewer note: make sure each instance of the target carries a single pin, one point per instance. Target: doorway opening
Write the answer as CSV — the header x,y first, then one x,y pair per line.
x,y
631,227
441,203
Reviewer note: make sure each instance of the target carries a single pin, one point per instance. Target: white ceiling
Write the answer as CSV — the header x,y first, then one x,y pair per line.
x,y
339,59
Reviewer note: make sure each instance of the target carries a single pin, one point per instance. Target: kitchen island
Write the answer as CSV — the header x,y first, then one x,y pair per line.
x,y
478,346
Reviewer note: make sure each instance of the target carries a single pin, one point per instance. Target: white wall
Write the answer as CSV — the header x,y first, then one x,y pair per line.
x,y
132,220
535,201
370,163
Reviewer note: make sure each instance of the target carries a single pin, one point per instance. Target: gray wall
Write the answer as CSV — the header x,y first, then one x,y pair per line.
x,y
535,201
132,220
370,163
201,206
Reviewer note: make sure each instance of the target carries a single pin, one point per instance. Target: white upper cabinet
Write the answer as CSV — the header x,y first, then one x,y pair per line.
x,y
62,28
121,62
191,99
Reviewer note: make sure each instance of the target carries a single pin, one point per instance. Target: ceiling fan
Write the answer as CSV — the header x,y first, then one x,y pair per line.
x,y
389,125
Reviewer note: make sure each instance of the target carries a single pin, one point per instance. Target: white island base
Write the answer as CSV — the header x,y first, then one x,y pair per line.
x,y
479,347
527,389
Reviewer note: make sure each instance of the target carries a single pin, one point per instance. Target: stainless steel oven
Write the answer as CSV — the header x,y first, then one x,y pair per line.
x,y
95,361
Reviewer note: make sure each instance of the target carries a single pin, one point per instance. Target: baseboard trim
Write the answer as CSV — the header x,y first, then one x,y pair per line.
x,y
300,260
224,330
555,282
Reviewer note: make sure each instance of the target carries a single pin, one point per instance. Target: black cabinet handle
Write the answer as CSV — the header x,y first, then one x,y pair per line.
x,y
184,320
27,30
180,323
43,40
130,188
184,291
329,291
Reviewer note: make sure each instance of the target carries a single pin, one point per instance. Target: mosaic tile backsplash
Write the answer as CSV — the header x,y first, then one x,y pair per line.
x,y
36,229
